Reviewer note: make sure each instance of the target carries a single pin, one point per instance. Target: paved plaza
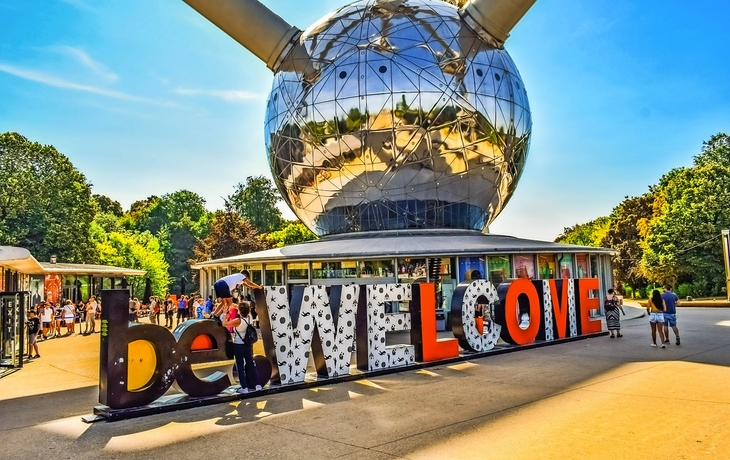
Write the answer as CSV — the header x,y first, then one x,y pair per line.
x,y
594,398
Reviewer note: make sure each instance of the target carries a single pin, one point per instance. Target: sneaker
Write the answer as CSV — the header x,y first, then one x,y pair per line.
x,y
654,345
620,335
677,340
664,346
242,391
258,387
37,356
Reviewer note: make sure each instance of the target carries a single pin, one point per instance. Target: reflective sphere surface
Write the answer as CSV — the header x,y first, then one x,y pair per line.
x,y
412,121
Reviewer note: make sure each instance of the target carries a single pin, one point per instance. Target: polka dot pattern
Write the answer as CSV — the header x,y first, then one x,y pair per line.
x,y
379,323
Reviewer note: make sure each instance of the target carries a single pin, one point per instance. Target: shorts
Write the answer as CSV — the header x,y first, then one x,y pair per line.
x,y
46,324
69,321
222,290
656,317
32,338
670,319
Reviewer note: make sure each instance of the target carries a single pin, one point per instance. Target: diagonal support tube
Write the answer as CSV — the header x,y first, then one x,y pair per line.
x,y
495,17
258,29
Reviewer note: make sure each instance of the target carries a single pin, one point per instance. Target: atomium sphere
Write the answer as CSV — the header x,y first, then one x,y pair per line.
x,y
411,121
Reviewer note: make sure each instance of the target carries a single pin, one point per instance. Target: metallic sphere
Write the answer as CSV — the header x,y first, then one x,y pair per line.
x,y
411,120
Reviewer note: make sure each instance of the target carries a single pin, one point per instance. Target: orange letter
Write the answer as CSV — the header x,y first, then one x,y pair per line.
x,y
511,304
586,304
431,348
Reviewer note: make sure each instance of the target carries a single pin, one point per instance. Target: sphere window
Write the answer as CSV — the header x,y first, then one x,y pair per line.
x,y
343,74
382,69
276,96
479,72
497,77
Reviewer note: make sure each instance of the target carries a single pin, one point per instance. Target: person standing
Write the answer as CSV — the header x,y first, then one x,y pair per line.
x,y
34,325
169,312
225,285
655,307
612,305
91,308
671,300
69,316
81,313
209,305
154,309
242,351
46,313
182,309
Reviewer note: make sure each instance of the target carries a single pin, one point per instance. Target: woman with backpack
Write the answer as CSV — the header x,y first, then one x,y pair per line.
x,y
244,336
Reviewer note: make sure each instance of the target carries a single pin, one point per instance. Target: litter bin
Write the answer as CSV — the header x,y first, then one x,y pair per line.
x,y
440,319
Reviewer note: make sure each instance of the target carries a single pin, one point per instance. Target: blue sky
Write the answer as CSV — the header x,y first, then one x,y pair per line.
x,y
146,97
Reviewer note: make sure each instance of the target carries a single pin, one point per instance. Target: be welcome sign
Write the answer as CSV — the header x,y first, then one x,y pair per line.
x,y
337,326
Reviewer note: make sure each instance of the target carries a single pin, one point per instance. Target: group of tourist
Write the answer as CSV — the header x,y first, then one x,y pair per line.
x,y
662,311
46,320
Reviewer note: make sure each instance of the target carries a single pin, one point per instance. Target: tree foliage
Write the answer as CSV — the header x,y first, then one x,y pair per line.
x,y
140,251
107,205
714,151
293,232
625,234
256,201
682,242
229,235
45,203
671,234
588,234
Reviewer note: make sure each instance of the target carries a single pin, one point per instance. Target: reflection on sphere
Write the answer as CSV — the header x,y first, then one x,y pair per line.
x,y
411,122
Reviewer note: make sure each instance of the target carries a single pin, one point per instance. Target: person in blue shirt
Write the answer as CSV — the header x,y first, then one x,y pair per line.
x,y
209,305
670,315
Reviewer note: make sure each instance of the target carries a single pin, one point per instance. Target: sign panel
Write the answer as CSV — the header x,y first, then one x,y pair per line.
x,y
335,326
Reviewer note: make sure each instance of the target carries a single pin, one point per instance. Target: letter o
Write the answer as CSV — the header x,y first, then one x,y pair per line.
x,y
518,335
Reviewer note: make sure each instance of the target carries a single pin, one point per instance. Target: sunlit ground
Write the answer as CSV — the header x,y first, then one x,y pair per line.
x,y
598,398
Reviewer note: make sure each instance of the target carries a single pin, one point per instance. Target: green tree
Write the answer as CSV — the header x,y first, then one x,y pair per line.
x,y
178,220
588,234
107,205
682,242
625,234
229,235
133,250
293,232
45,203
256,201
716,150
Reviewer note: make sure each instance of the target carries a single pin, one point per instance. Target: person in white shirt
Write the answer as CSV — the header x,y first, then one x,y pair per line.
x,y
225,285
91,314
46,318
69,317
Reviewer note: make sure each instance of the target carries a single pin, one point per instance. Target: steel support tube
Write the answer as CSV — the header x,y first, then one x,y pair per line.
x,y
253,25
497,17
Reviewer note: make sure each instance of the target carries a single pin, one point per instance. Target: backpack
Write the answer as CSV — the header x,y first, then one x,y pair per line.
x,y
251,336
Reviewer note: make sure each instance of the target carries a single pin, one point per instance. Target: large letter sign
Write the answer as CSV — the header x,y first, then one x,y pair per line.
x,y
312,320
372,351
139,362
463,323
423,323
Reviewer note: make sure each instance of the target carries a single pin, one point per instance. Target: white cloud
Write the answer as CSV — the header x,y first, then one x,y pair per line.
x,y
86,60
226,95
56,82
